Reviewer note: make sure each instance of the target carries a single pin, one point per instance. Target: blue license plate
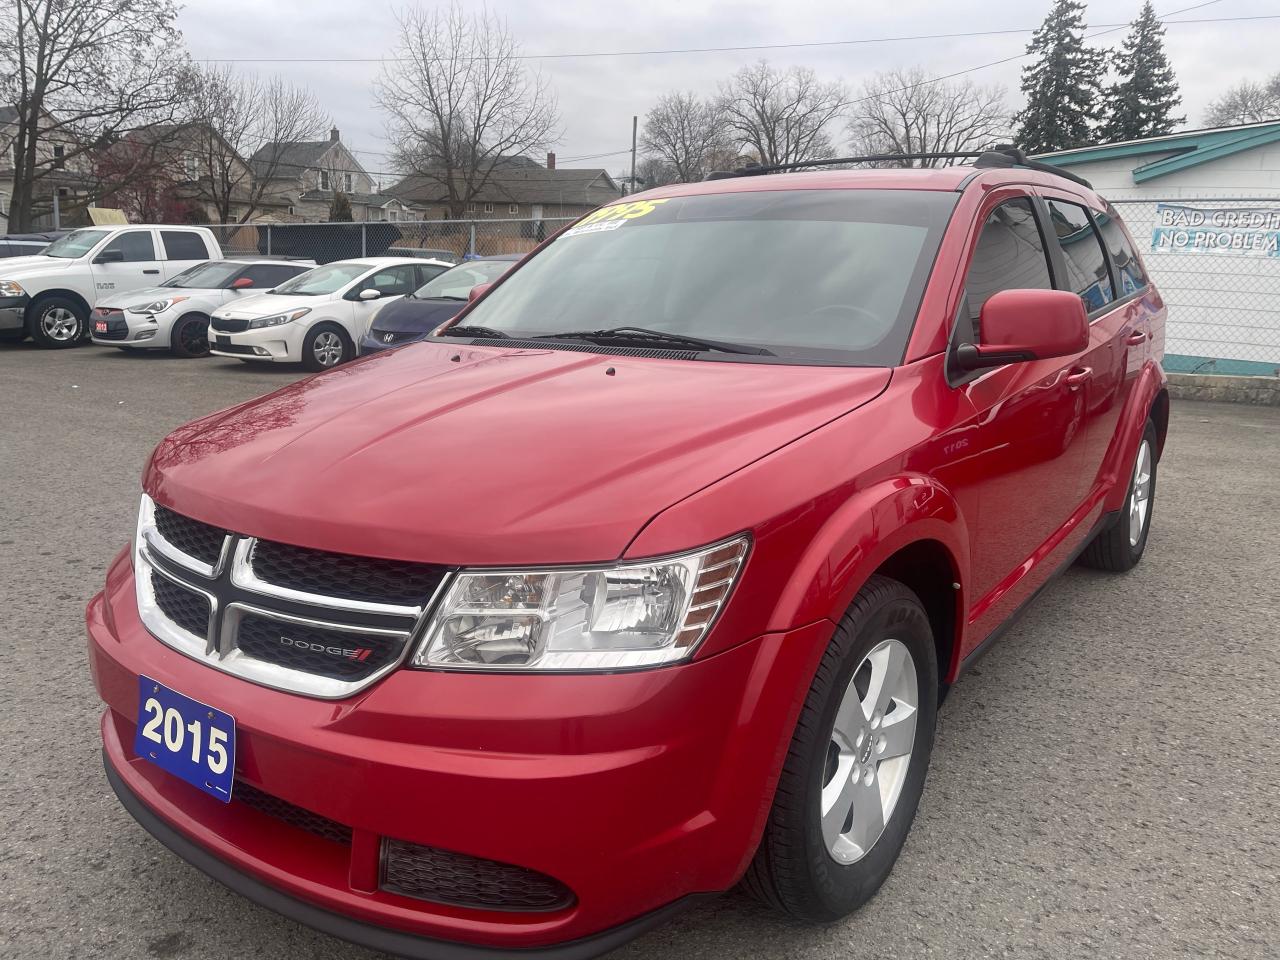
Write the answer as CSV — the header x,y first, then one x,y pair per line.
x,y
189,739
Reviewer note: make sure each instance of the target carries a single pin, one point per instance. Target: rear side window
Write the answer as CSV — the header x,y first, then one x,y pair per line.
x,y
136,245
1087,273
268,275
1129,272
1010,256
180,245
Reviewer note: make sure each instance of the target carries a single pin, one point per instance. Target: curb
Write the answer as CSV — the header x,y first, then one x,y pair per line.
x,y
1256,391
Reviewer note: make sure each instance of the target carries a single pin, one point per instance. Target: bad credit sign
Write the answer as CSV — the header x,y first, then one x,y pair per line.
x,y
1243,231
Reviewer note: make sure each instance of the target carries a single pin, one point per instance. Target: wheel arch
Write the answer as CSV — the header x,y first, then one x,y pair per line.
x,y
1160,417
44,295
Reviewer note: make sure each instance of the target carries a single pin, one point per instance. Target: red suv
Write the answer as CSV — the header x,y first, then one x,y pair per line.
x,y
643,579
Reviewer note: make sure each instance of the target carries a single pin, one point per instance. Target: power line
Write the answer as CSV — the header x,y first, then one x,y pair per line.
x,y
747,48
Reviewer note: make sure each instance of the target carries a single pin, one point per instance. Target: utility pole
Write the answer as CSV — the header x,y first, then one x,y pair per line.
x,y
57,211
635,121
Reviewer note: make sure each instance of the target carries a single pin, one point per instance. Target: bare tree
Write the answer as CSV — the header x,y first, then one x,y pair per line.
x,y
1246,102
460,102
782,116
235,116
685,132
81,74
904,111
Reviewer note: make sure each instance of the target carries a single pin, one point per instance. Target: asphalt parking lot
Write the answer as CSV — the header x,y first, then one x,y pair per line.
x,y
1106,782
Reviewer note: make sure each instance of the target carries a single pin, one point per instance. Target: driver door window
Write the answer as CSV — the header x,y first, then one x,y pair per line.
x,y
1010,255
391,282
136,245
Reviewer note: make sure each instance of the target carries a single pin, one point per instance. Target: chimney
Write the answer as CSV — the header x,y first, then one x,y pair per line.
x,y
551,160
334,136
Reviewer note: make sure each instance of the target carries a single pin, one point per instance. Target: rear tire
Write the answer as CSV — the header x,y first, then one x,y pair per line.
x,y
326,346
1120,547
190,336
824,853
56,323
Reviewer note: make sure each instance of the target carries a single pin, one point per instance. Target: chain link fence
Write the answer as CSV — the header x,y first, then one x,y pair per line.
x,y
452,240
1216,262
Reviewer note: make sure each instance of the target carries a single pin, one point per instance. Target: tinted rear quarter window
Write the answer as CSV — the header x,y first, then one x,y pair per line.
x,y
180,245
1087,273
1132,277
1010,256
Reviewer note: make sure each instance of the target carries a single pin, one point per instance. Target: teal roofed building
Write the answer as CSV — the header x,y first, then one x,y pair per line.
x,y
1204,207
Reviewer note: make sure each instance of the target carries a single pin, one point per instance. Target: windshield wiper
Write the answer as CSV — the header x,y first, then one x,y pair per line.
x,y
471,330
645,335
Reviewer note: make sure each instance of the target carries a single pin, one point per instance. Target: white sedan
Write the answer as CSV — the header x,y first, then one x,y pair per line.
x,y
317,318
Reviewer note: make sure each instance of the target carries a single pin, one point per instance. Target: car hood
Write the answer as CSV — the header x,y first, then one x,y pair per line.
x,y
16,268
135,297
266,304
415,316
486,455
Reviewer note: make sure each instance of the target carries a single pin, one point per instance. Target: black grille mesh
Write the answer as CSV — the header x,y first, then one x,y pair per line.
x,y
184,607
192,537
227,325
335,654
295,816
426,873
345,577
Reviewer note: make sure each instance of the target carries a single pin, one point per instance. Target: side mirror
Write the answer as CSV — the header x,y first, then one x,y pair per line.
x,y
1020,325
478,291
110,256
369,294
241,283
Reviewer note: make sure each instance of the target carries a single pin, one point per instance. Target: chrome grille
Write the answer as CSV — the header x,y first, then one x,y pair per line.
x,y
307,621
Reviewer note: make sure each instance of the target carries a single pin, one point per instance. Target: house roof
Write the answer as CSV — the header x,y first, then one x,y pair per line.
x,y
521,183
367,199
1157,156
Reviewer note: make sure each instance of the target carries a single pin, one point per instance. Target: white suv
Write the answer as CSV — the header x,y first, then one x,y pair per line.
x,y
319,317
175,315
48,296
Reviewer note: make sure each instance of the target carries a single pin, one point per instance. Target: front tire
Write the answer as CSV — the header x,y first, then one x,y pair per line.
x,y
190,336
856,768
326,346
56,323
1120,547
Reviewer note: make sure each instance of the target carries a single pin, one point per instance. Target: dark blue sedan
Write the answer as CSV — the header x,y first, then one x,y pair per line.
x,y
413,317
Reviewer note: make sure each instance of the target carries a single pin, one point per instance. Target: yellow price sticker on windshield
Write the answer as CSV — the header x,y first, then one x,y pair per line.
x,y
614,216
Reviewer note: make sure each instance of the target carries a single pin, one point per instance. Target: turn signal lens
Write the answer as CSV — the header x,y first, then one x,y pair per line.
x,y
612,618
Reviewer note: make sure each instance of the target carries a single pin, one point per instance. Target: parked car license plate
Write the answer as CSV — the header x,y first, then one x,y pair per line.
x,y
189,739
100,327
222,341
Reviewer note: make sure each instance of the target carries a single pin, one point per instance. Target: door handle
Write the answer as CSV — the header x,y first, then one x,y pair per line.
x,y
1135,338
1077,377
150,271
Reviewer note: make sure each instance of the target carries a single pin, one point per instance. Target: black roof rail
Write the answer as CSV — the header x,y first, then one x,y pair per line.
x,y
1001,155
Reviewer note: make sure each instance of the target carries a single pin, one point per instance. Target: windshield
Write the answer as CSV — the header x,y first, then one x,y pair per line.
x,y
456,282
206,276
322,280
74,244
828,275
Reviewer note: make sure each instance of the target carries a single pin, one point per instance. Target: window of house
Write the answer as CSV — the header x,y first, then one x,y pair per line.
x,y
488,208
1010,256
1129,271
393,215
58,153
181,245
136,245
62,192
513,208
324,179
1087,273
193,166
346,182
471,208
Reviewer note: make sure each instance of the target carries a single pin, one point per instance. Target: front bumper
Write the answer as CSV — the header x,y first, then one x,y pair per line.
x,y
13,312
635,790
282,344
125,330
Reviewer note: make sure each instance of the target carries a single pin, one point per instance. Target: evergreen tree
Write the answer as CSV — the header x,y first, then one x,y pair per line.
x,y
1142,102
1063,87
340,208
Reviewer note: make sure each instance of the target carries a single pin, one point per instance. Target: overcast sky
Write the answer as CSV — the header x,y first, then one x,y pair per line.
x,y
599,95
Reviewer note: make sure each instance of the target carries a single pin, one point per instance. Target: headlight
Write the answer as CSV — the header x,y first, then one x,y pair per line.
x,y
8,288
278,319
157,306
598,618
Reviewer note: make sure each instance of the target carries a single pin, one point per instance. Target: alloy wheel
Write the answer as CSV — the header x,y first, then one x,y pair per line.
x,y
59,323
193,337
327,348
1140,496
870,751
